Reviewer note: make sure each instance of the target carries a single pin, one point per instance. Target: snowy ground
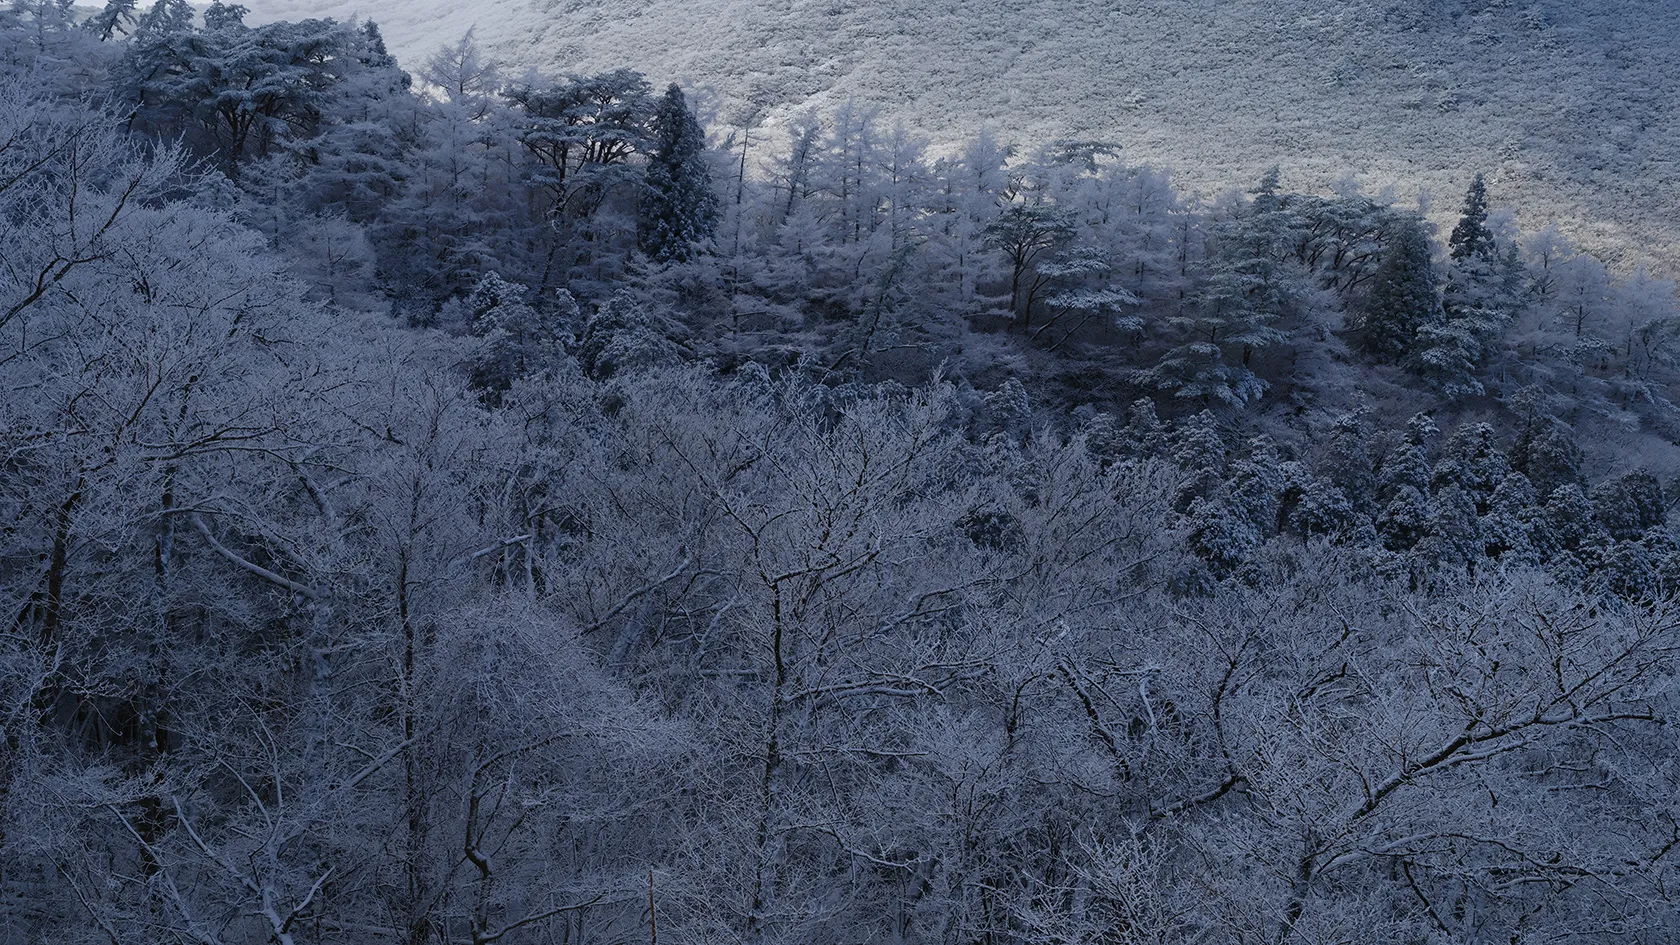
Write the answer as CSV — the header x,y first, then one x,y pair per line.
x,y
1562,103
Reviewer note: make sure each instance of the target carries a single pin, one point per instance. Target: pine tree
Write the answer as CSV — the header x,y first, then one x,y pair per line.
x,y
1449,355
581,133
1254,282
518,339
679,208
1568,522
1346,462
1199,450
1028,234
1471,238
1629,505
1479,299
1509,524
1404,297
1452,538
165,16
117,17
1472,462
236,91
1546,452
1145,436
222,16
1408,465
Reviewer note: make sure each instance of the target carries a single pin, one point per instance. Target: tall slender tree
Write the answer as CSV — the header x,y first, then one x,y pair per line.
x,y
1479,300
1404,297
1471,237
679,207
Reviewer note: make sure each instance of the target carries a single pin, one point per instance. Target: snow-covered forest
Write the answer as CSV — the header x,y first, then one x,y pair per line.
x,y
448,504
1567,106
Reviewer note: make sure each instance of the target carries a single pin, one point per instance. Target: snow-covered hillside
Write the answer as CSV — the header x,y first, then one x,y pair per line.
x,y
1563,103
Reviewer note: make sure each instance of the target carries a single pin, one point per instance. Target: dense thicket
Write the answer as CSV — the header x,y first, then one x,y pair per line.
x,y
448,510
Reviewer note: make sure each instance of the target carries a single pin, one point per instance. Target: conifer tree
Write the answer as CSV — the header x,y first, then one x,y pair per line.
x,y
1404,298
1254,282
222,16
1509,525
118,16
165,16
1472,462
1629,505
1471,238
1347,463
679,208
1449,355
1027,234
1546,452
1479,300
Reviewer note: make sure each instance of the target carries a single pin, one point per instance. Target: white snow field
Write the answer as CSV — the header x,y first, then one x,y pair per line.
x,y
1569,107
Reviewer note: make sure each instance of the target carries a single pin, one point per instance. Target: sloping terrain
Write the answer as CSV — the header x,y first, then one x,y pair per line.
x,y
1561,103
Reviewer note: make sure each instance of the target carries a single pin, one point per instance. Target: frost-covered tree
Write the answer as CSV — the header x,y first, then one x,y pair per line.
x,y
1630,505
679,204
117,16
1079,291
780,595
464,76
580,132
1480,296
1252,283
1471,237
1546,453
1403,299
1472,462
1027,234
238,90
519,337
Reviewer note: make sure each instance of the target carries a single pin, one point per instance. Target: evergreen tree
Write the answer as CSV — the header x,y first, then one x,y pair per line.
x,y
1509,524
623,335
1471,238
1344,239
165,16
1568,522
518,338
1346,462
1545,451
1221,535
1629,570
679,208
1254,282
374,53
1452,536
237,91
1481,294
222,16
1629,505
1404,298
1028,234
1404,519
117,17
1145,436
1472,462
1081,291
1199,450
1321,507
580,133
1257,483
1449,355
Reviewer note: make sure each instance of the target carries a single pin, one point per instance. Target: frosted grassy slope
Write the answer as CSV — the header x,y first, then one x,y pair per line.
x,y
1573,108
